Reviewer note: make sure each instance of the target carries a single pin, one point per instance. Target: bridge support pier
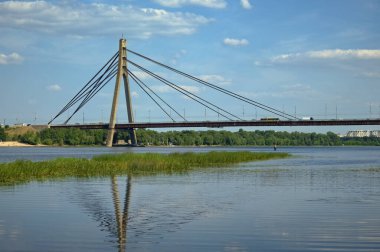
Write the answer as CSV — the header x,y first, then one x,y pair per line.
x,y
122,73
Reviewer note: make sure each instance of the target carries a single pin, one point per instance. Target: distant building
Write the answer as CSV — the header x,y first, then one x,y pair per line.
x,y
20,125
363,133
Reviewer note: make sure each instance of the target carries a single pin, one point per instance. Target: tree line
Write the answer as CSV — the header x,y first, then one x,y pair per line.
x,y
73,136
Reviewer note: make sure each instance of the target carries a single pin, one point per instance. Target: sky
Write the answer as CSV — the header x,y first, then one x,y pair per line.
x,y
308,58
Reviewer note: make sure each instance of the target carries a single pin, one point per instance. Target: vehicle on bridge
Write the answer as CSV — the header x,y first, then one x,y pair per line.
x,y
307,118
270,119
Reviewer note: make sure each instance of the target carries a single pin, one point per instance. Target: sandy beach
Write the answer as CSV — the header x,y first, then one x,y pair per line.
x,y
14,144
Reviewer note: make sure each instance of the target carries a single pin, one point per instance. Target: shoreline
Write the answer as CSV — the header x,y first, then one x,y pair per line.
x,y
16,144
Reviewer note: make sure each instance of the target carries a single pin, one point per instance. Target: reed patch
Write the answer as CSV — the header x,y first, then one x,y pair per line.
x,y
23,171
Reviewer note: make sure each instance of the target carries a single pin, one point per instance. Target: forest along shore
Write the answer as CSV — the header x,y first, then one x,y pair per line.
x,y
146,137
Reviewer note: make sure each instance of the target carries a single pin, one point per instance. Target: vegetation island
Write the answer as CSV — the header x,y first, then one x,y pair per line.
x,y
131,164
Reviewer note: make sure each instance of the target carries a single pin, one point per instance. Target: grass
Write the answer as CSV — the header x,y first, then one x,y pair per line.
x,y
120,164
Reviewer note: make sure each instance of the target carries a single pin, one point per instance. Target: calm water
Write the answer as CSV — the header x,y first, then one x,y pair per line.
x,y
321,199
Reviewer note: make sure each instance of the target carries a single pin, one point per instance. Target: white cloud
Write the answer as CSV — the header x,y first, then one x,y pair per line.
x,y
362,54
215,79
345,54
71,18
246,4
134,94
162,89
54,88
235,42
217,4
191,89
13,58
167,89
141,75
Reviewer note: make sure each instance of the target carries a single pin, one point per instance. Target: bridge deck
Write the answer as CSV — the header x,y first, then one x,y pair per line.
x,y
220,124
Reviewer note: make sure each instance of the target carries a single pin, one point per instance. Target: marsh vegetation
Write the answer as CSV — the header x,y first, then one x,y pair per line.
x,y
23,171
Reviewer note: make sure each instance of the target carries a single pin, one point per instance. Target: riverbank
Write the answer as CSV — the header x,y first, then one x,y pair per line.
x,y
126,163
15,144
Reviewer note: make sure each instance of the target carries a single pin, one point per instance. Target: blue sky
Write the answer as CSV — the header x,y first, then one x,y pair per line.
x,y
309,58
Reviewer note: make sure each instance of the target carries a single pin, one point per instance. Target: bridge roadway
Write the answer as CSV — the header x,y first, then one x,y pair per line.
x,y
220,124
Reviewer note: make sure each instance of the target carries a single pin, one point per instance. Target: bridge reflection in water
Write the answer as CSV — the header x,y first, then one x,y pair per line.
x,y
108,207
121,215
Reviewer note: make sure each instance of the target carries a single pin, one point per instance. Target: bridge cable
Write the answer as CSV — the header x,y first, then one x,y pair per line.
x,y
137,80
79,95
160,98
187,93
111,71
87,86
95,84
94,91
230,93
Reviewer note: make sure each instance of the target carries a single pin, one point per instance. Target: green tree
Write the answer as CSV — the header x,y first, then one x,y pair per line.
x,y
208,139
2,134
333,138
30,138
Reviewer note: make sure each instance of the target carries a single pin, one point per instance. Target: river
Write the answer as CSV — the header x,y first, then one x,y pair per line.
x,y
320,199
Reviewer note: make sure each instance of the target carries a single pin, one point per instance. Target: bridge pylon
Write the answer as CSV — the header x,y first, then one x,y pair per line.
x,y
122,74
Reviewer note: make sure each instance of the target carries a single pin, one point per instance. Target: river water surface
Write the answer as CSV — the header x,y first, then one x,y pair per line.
x,y
320,199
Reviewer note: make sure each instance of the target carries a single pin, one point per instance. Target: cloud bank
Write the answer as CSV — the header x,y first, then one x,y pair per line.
x,y
67,18
339,54
217,4
13,58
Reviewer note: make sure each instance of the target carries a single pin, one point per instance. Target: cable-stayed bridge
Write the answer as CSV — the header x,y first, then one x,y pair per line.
x,y
117,66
